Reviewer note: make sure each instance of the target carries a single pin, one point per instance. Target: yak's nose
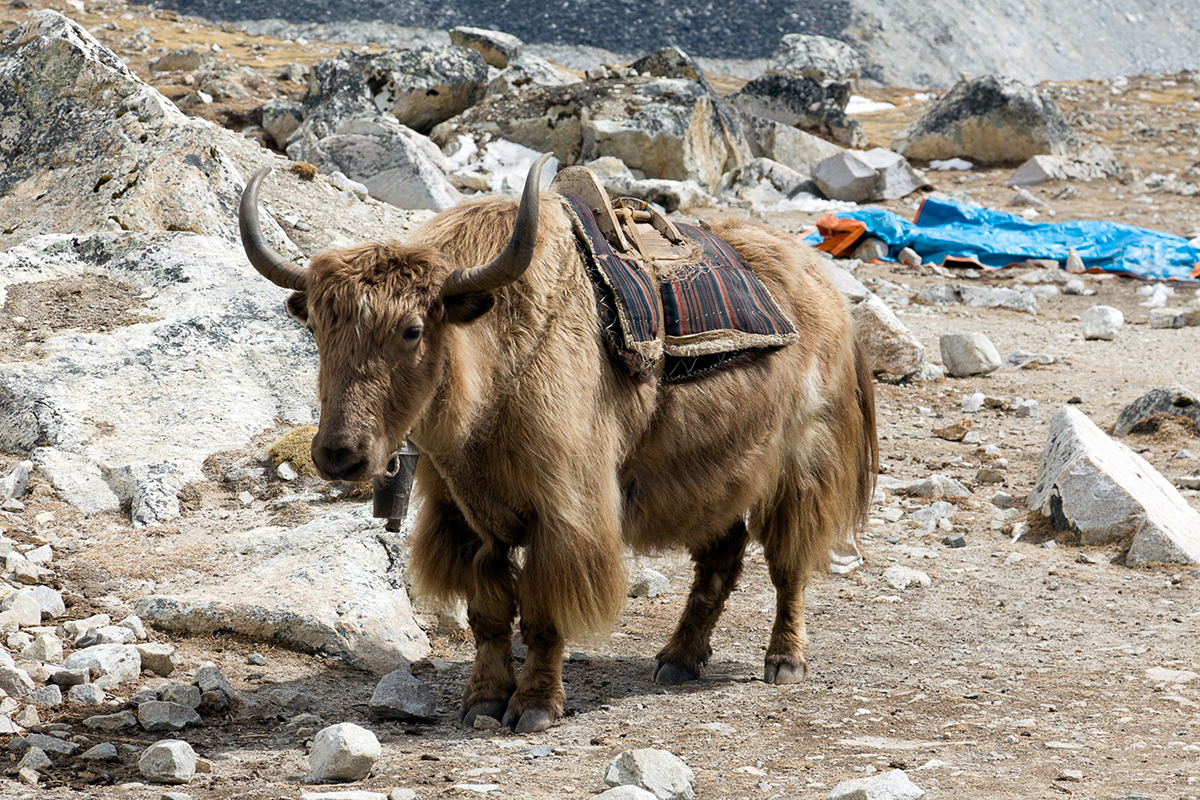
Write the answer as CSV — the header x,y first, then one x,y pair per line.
x,y
340,463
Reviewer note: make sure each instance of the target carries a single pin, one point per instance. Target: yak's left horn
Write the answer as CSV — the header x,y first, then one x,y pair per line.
x,y
516,257
274,267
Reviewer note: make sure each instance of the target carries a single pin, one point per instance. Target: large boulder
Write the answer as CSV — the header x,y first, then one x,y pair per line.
x,y
86,145
329,586
343,131
988,120
498,49
816,57
1173,399
426,85
802,102
529,72
786,144
1102,491
667,128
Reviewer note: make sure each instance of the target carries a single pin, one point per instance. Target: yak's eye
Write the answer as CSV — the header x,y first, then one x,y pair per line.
x,y
412,333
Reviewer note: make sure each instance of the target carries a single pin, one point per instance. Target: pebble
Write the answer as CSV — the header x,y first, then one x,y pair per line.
x,y
399,695
626,793
73,628
1165,318
357,794
957,540
109,634
175,796
1102,322
344,752
1075,287
968,353
1184,455
648,583
134,623
15,681
27,776
899,577
485,723
989,475
168,761
52,744
1013,558
209,679
1070,776
1027,408
909,257
973,402
891,785
659,772
1074,262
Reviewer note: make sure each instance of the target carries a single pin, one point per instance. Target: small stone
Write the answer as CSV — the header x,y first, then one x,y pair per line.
x,y
1027,408
109,634
1184,455
115,663
210,679
1188,481
989,475
659,772
184,695
36,759
168,761
909,257
67,678
157,657
134,623
74,628
892,785
1074,262
101,752
87,693
971,403
970,353
175,795
957,540
112,722
143,696
1102,322
929,372
901,578
871,249
626,793
1070,776
52,744
40,556
399,695
285,470
46,696
357,794
27,717
24,608
27,776
16,682
160,715
344,752
485,723
648,583
954,432
291,699
255,660
1074,287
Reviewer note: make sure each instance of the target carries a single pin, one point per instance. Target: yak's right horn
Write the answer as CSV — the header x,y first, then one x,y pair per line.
x,y
274,267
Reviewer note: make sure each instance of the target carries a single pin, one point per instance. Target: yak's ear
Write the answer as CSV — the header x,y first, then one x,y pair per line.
x,y
464,308
297,306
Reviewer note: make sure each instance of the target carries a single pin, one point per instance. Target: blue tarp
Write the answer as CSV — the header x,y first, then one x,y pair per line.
x,y
944,228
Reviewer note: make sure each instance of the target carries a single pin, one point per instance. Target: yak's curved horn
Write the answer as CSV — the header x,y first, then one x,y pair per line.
x,y
274,267
516,256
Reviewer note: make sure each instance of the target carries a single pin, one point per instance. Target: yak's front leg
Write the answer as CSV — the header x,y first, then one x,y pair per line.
x,y
491,609
539,698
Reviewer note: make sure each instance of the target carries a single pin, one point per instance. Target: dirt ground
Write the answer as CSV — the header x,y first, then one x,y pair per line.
x,y
1020,661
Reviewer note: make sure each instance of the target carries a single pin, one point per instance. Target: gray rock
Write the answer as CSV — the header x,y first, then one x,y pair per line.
x,y
816,57
1168,318
153,491
185,60
290,699
344,752
1171,399
209,679
671,62
175,796
168,761
52,744
996,297
970,353
104,751
14,681
158,715
281,117
158,657
46,696
935,487
788,145
901,578
1102,491
35,759
1090,164
68,678
802,102
929,517
134,623
109,634
892,349
50,601
122,720
988,120
324,586
529,72
23,608
400,695
908,257
115,663
895,177
659,772
425,85
356,794
1102,322
13,484
182,694
891,785
1075,287
76,627
497,49
846,176
648,583
761,183
256,659
87,693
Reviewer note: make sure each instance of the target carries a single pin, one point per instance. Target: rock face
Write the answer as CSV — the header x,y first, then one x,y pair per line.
x,y
327,586
816,57
789,146
113,154
657,771
801,102
667,128
1103,491
1173,399
344,131
988,120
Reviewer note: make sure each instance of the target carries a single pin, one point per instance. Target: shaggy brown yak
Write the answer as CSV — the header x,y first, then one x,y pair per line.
x,y
542,460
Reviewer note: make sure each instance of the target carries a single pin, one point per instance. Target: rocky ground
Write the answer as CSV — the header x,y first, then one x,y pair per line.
x,y
1007,669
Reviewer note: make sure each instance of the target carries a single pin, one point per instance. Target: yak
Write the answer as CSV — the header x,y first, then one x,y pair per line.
x,y
543,462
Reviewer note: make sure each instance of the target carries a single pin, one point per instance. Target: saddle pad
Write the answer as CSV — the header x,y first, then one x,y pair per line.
x,y
696,317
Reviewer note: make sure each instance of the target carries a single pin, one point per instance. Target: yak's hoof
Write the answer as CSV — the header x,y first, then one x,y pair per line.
x,y
532,720
784,672
668,673
484,708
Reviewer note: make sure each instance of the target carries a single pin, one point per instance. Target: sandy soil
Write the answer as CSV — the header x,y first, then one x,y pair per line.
x,y
1021,660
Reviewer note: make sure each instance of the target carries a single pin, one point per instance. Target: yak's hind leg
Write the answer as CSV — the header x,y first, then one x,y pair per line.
x,y
717,568
452,561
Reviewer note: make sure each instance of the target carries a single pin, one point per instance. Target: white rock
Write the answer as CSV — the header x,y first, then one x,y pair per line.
x,y
1105,492
899,577
648,583
344,752
1168,318
971,403
73,628
168,761
1038,169
109,634
116,663
891,785
46,647
971,353
891,347
1162,675
625,793
13,484
356,794
134,623
24,608
661,773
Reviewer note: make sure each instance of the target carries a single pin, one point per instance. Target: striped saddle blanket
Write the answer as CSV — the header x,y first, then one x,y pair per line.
x,y
679,319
